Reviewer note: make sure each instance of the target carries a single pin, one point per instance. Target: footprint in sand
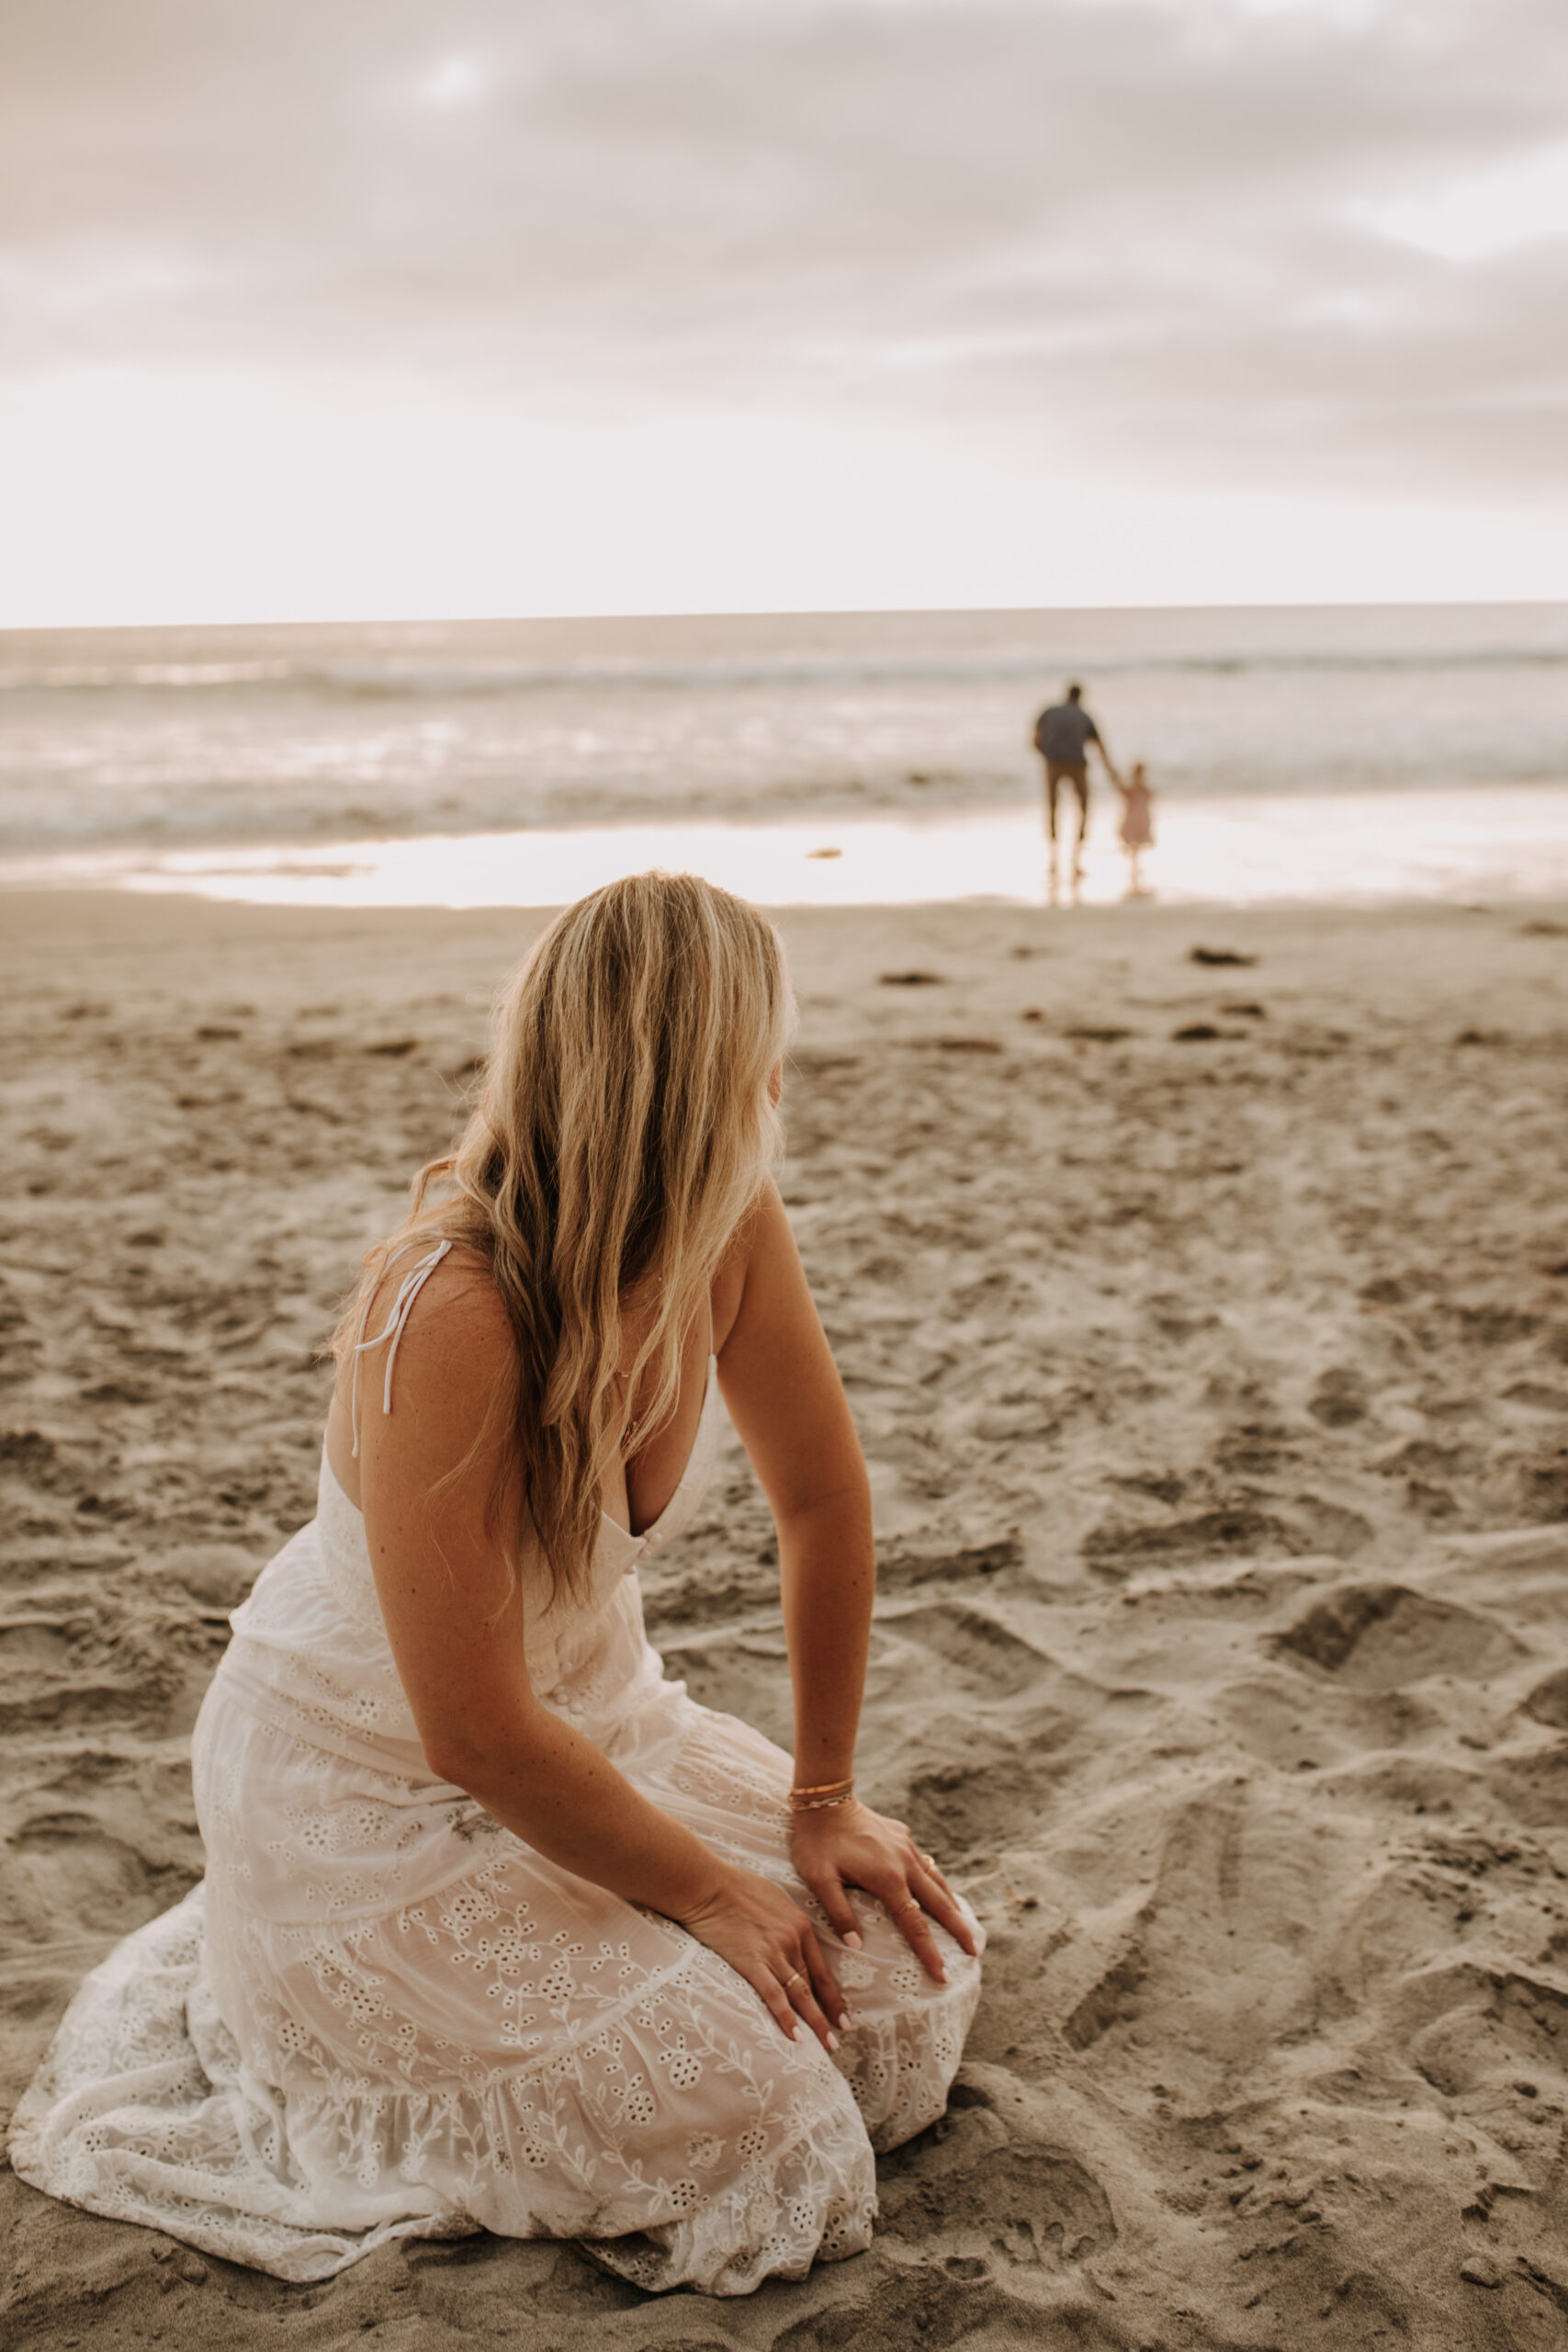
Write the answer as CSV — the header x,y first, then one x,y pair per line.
x,y
1379,1636
67,1865
1339,1400
1035,2204
1496,2028
1112,2000
1548,1702
993,1797
976,1650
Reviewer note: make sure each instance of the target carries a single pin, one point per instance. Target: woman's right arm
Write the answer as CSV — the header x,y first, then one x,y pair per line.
x,y
455,1621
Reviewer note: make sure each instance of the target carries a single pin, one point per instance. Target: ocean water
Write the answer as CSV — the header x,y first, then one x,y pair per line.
x,y
1292,750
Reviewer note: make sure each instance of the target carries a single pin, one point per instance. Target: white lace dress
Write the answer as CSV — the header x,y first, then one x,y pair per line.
x,y
383,2015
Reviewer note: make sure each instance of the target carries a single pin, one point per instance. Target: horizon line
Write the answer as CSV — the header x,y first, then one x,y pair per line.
x,y
783,613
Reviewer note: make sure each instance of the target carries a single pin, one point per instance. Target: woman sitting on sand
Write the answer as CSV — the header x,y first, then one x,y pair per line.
x,y
498,1926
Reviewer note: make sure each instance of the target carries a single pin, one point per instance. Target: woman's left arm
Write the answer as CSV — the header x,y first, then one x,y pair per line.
x,y
784,1396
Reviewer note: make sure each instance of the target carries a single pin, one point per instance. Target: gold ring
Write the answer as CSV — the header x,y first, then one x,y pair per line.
x,y
913,1904
798,1978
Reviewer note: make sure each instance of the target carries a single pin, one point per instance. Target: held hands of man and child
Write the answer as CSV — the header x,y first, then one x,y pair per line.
x,y
770,1941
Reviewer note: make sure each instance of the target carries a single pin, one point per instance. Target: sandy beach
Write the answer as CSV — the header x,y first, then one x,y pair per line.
x,y
1206,1325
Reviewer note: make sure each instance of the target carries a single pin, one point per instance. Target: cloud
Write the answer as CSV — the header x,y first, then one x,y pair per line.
x,y
1520,203
1226,241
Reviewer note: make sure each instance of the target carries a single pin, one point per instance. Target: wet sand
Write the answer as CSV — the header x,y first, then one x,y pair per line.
x,y
1207,1329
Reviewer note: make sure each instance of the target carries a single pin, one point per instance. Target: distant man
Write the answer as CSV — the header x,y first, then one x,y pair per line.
x,y
1062,737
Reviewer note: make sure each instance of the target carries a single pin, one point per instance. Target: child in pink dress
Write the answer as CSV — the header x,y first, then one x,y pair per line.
x,y
1136,831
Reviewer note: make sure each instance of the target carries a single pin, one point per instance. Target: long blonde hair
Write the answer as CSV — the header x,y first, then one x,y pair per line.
x,y
624,1130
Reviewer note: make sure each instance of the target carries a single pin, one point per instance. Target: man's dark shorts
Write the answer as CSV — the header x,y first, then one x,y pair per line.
x,y
1057,774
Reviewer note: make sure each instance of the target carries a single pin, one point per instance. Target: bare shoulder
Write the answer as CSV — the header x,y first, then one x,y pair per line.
x,y
766,1224
766,1234
762,1234
423,1383
456,1335
434,1452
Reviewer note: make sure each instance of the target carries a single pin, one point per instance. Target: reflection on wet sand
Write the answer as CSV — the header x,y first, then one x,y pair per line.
x,y
1237,849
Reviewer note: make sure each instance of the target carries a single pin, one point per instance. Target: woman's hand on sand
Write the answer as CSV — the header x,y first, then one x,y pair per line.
x,y
849,1845
770,1941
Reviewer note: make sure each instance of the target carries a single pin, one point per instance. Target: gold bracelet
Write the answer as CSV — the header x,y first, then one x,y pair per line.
x,y
820,1804
823,1788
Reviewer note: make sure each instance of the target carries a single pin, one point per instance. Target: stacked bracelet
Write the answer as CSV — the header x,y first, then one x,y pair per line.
x,y
822,1798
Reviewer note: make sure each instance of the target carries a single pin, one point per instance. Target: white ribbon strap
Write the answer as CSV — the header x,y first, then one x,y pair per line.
x,y
413,1282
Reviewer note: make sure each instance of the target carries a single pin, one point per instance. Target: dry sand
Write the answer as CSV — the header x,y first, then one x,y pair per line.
x,y
1215,1389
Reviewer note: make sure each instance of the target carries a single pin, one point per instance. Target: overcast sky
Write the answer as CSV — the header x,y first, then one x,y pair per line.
x,y
318,308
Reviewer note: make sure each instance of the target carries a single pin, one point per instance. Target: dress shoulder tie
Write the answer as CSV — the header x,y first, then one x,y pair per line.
x,y
413,1282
